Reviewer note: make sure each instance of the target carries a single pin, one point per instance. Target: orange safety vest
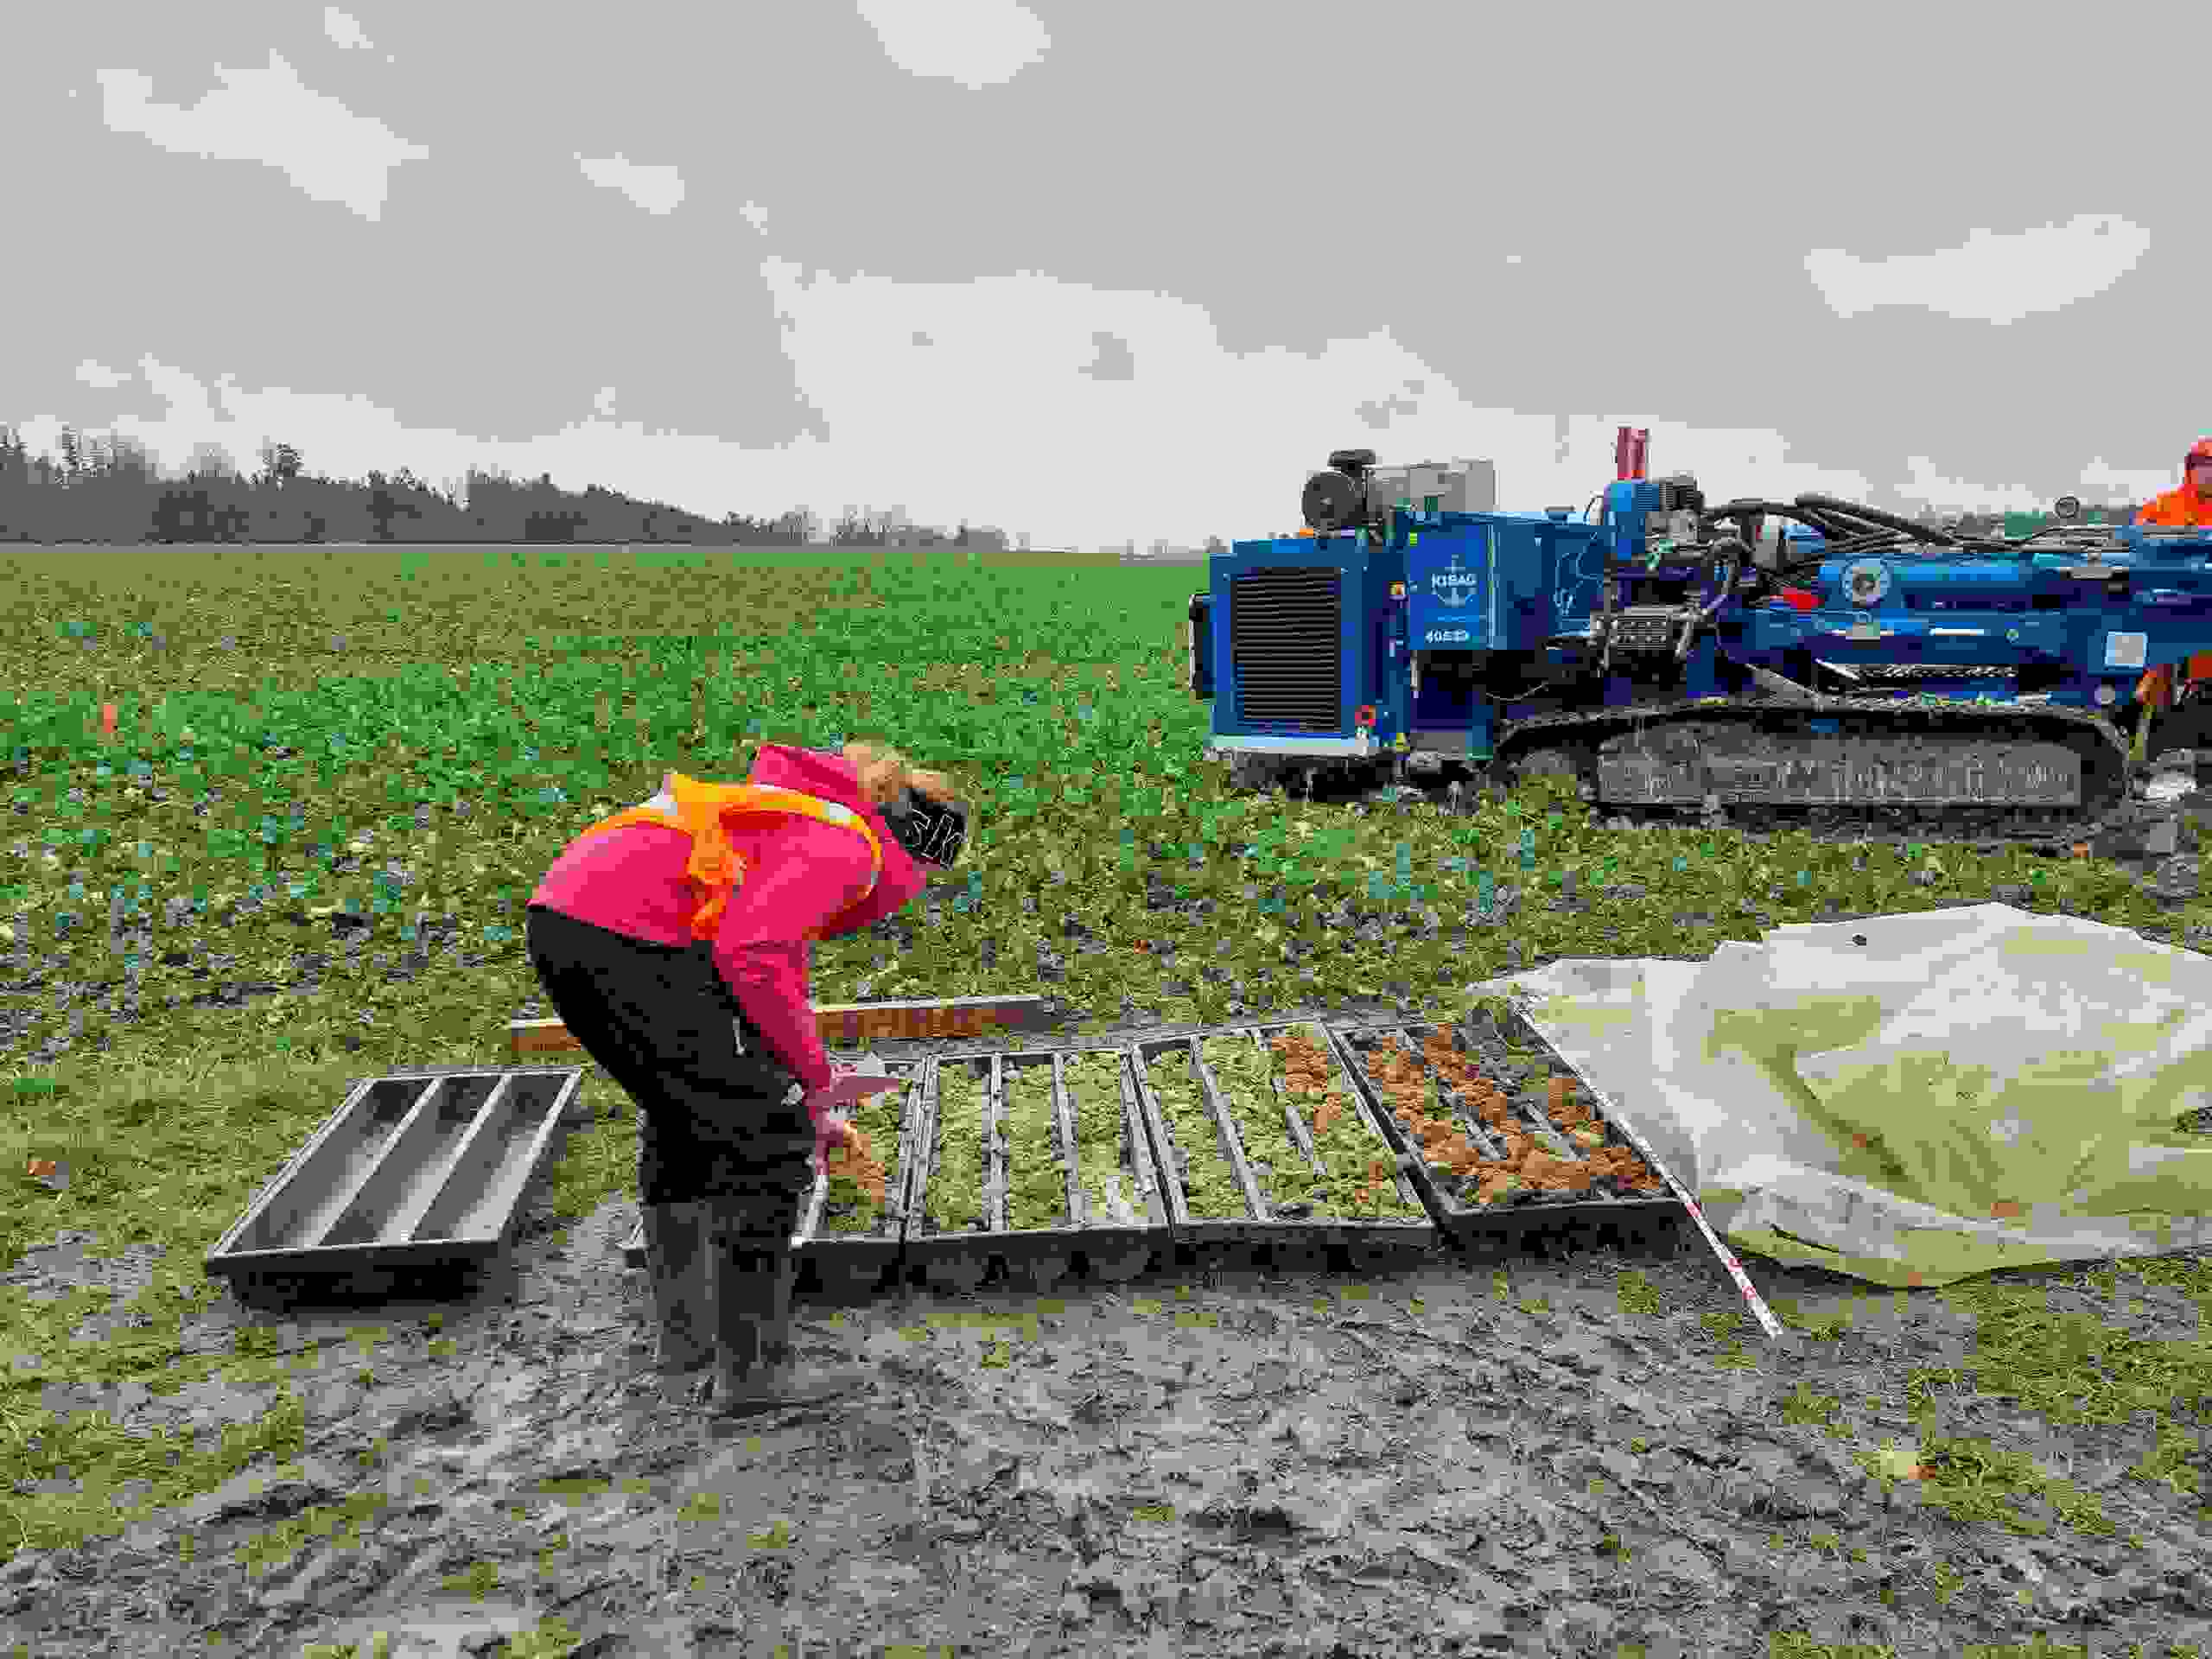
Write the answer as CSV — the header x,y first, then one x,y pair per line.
x,y
2180,509
703,810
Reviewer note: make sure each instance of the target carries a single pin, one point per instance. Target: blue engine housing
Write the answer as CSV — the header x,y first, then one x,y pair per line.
x,y
1433,636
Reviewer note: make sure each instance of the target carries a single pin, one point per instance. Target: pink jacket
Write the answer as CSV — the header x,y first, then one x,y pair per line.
x,y
800,872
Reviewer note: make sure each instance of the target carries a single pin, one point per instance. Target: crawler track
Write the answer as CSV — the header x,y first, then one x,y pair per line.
x,y
1922,768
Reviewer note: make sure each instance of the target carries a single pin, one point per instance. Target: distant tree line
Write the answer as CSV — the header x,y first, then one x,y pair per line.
x,y
111,491
868,529
2000,523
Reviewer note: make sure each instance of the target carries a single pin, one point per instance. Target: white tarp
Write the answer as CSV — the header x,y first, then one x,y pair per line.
x,y
1911,1099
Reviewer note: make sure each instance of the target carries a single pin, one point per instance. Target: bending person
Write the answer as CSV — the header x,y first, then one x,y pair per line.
x,y
673,941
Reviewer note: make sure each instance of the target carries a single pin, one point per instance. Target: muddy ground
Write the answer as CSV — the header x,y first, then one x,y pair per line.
x,y
1212,1460
1209,1461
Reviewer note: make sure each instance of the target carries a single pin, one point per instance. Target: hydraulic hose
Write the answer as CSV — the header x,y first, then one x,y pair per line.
x,y
1751,509
1733,550
1797,511
1875,516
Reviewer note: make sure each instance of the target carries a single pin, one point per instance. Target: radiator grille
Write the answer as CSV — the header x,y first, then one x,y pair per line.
x,y
1285,639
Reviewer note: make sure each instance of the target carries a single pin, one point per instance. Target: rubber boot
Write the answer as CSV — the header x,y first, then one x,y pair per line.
x,y
679,1264
755,1368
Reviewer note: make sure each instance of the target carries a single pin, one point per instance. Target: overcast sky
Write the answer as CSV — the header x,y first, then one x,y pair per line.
x,y
1100,271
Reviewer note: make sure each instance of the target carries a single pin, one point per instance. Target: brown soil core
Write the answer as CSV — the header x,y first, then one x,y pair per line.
x,y
1306,1076
854,1163
1406,1082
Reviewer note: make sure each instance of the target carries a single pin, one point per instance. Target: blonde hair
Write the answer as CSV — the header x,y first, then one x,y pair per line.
x,y
886,774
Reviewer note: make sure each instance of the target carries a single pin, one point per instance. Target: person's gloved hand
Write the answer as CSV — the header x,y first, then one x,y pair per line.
x,y
849,1087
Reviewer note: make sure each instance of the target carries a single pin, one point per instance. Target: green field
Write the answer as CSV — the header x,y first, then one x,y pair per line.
x,y
408,737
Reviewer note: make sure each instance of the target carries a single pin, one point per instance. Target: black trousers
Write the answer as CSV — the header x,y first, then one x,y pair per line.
x,y
720,1115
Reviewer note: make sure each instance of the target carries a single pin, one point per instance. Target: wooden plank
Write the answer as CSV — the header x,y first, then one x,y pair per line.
x,y
855,1024
849,1025
539,1037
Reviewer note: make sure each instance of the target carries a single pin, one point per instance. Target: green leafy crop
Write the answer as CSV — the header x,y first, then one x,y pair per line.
x,y
1037,1194
1210,1185
956,1191
441,742
1094,1081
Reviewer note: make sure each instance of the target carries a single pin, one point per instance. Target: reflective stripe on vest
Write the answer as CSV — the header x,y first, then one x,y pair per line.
x,y
703,811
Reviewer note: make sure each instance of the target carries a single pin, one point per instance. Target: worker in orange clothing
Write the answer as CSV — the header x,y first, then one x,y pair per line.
x,y
2156,692
2190,504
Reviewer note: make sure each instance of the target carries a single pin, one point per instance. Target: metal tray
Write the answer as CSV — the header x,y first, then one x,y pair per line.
x,y
845,1263
1522,1056
955,1259
1289,1240
1103,1243
1370,1240
1105,1247
1146,1054
416,1175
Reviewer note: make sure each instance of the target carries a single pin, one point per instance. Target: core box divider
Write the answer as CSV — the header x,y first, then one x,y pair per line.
x,y
1501,1043
1106,1248
418,1175
1636,1217
1079,1206
846,1263
1367,1240
962,1260
1145,1053
1364,1233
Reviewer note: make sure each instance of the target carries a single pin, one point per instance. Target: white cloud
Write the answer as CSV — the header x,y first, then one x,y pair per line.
x,y
755,215
656,189
2102,481
1004,373
192,418
1926,487
340,435
1990,278
268,116
191,422
910,383
973,43
345,31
